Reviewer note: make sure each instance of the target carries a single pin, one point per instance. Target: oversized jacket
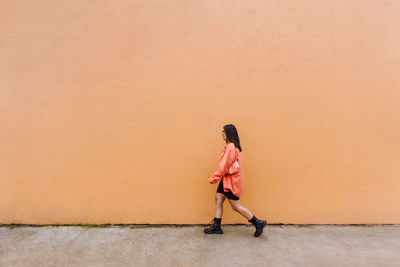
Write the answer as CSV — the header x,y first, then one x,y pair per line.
x,y
234,182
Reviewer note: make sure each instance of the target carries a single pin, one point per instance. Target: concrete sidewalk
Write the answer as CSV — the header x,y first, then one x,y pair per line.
x,y
280,245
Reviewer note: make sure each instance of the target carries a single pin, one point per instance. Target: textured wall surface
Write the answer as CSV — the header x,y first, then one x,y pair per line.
x,y
112,111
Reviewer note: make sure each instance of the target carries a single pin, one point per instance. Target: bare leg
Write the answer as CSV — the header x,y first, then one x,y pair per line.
x,y
235,204
219,204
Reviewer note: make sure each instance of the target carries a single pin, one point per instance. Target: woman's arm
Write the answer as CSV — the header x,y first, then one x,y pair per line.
x,y
227,160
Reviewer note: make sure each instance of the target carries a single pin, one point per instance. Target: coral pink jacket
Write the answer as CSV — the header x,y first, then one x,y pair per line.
x,y
234,182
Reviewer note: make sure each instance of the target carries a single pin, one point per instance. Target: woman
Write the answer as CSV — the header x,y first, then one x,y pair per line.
x,y
231,185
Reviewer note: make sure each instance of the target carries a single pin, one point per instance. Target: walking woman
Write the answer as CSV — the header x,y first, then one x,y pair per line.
x,y
230,186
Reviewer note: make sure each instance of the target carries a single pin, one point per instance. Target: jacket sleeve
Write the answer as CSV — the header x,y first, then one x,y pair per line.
x,y
224,165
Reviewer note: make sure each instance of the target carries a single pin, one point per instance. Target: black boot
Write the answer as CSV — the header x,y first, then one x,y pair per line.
x,y
215,228
259,224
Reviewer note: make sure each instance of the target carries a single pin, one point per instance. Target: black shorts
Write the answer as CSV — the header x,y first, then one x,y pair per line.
x,y
229,194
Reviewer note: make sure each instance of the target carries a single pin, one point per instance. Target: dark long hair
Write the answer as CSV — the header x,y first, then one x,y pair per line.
x,y
232,135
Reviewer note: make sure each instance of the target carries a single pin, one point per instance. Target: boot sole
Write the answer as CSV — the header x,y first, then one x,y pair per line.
x,y
221,232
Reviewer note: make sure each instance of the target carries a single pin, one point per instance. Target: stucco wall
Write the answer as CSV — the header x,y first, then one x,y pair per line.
x,y
112,111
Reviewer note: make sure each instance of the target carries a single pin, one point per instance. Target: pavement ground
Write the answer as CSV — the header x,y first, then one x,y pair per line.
x,y
130,245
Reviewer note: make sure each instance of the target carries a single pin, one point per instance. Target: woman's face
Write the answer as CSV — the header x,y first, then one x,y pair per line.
x,y
224,135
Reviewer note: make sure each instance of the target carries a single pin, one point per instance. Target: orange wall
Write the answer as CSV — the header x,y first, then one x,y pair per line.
x,y
112,111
